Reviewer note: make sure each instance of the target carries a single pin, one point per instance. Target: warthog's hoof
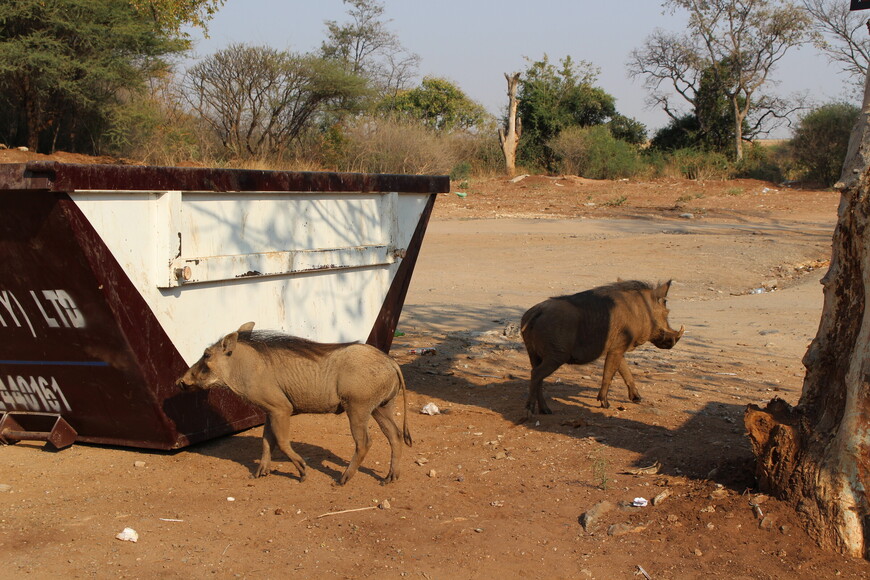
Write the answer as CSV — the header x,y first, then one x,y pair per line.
x,y
261,472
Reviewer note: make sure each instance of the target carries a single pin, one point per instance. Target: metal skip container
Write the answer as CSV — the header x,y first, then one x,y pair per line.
x,y
114,278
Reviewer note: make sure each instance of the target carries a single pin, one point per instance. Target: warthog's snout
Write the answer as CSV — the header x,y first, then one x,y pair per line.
x,y
668,339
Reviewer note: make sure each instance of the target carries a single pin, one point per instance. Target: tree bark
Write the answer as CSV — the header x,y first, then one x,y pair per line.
x,y
816,455
509,135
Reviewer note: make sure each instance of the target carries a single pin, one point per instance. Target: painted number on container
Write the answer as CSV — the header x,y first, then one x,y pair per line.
x,y
20,393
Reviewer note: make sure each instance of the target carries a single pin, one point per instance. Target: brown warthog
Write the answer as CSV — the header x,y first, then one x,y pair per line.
x,y
286,375
608,320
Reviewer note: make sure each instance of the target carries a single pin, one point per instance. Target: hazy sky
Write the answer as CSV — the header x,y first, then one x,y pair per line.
x,y
474,42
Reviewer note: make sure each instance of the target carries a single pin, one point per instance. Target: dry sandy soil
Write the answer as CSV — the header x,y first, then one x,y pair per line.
x,y
485,493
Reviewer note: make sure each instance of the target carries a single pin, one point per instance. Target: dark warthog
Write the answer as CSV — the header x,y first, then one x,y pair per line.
x,y
286,375
608,320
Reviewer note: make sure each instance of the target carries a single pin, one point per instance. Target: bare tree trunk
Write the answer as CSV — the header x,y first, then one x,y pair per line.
x,y
816,455
509,136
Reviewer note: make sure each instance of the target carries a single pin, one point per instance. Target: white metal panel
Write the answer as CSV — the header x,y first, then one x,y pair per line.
x,y
314,265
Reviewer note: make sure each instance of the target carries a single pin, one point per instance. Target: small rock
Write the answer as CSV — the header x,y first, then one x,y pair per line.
x,y
279,512
673,518
478,530
719,494
687,216
138,464
766,523
698,552
589,519
231,498
500,455
4,487
384,505
22,148
432,473
421,461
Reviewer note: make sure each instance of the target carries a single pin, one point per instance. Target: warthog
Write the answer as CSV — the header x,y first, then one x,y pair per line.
x,y
286,375
609,320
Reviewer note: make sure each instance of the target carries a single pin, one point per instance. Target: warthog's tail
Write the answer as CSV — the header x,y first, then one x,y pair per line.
x,y
406,434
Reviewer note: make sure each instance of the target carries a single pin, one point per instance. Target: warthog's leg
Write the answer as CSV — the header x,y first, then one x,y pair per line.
x,y
277,432
384,417
358,415
625,373
536,401
613,361
265,467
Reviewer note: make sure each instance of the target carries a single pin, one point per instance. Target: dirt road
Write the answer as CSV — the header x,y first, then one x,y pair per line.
x,y
484,493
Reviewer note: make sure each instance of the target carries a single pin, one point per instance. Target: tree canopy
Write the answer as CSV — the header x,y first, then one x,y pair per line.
x,y
738,42
553,98
63,63
438,104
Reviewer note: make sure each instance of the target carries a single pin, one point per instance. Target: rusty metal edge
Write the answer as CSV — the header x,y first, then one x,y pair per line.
x,y
68,177
384,328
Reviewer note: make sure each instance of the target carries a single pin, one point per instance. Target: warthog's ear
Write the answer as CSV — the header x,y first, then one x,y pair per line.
x,y
662,290
246,327
228,343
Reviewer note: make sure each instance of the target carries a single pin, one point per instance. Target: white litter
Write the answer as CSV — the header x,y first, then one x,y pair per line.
x,y
128,535
640,502
430,409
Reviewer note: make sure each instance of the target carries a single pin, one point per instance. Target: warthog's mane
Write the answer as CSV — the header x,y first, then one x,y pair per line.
x,y
267,342
609,289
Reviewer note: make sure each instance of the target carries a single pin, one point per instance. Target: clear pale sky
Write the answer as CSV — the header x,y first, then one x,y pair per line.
x,y
474,42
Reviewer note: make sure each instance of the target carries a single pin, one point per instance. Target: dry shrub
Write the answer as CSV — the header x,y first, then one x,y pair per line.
x,y
391,146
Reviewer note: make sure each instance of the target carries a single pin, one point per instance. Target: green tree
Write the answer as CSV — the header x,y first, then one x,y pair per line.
x,y
439,104
710,125
63,64
552,99
821,139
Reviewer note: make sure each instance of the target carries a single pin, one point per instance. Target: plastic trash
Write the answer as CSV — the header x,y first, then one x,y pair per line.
x,y
430,409
422,350
128,535
640,502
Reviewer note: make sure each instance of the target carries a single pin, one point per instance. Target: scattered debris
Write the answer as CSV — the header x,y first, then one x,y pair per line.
x,y
128,535
649,470
231,498
422,350
661,497
362,509
138,464
384,505
519,178
170,520
644,572
640,502
430,409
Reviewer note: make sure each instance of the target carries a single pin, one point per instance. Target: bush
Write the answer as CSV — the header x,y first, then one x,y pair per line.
x,y
593,152
820,141
699,165
380,145
761,162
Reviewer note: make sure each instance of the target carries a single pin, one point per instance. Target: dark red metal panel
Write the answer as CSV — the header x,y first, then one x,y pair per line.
x,y
70,177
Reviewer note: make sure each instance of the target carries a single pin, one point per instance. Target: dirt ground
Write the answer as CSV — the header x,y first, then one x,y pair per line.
x,y
483,492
